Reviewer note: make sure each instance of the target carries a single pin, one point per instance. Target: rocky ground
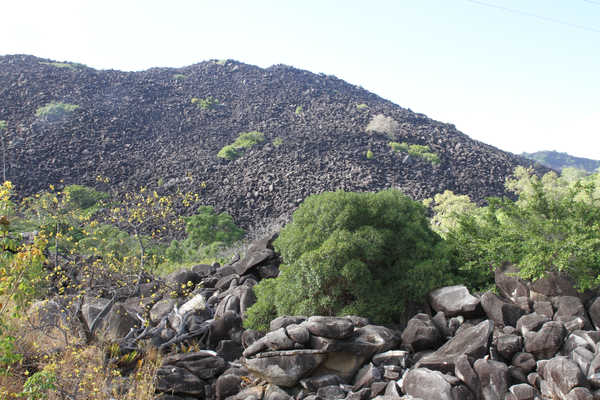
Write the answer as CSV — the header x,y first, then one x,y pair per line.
x,y
528,341
141,128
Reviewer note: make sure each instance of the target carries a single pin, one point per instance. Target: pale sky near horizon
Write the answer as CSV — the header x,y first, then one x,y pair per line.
x,y
519,75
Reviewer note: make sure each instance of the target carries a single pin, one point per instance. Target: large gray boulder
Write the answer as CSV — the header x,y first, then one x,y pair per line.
x,y
330,327
500,311
421,333
493,377
569,308
454,300
545,343
562,375
285,368
473,342
424,383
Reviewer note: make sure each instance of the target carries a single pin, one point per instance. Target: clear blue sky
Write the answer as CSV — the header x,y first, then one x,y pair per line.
x,y
522,77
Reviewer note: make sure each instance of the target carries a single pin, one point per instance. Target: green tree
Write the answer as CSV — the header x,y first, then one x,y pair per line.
x,y
353,253
554,225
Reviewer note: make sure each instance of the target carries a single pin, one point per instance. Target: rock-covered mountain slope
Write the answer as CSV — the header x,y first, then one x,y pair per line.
x,y
141,128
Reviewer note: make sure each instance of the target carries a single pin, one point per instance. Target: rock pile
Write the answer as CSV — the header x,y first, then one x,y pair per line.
x,y
141,128
529,341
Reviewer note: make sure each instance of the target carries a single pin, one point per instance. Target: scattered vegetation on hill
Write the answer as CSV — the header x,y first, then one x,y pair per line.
x,y
205,104
55,111
68,65
242,143
416,150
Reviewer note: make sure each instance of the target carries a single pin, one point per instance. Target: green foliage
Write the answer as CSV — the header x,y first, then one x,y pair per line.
x,y
2,125
36,387
344,253
205,104
362,106
55,111
69,65
415,150
553,226
207,233
277,142
8,353
369,154
448,208
244,141
179,77
298,110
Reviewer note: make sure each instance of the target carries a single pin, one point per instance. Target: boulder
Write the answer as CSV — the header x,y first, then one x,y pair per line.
x,y
464,371
285,320
545,343
424,383
562,375
522,391
510,285
330,327
285,368
493,378
569,308
499,311
160,309
421,333
594,312
524,361
531,322
551,285
473,342
392,357
509,345
454,300
227,385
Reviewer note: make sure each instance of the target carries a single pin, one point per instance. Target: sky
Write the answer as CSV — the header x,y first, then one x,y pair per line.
x,y
521,75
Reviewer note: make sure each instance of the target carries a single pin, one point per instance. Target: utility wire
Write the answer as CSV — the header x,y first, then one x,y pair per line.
x,y
540,17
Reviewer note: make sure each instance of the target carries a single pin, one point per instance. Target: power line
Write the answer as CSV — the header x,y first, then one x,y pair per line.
x,y
537,16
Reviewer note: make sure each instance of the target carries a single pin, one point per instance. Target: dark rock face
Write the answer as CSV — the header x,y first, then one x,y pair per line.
x,y
137,128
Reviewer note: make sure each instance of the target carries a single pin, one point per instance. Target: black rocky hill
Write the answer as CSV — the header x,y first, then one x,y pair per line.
x,y
141,128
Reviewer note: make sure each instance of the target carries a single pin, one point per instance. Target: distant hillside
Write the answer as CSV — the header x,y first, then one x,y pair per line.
x,y
558,161
164,127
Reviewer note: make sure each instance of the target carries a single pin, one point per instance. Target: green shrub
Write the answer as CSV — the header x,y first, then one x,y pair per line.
x,y
369,155
298,110
205,104
367,254
416,150
361,106
277,142
55,111
243,142
553,226
68,65
179,77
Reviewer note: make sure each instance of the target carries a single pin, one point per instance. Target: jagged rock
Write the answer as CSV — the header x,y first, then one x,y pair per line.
x,y
332,392
276,340
119,321
580,393
545,343
313,383
493,378
392,357
543,308
531,322
362,394
285,368
227,385
562,375
524,361
366,376
421,333
594,312
203,364
181,279
593,374
204,270
522,391
173,379
453,301
426,384
392,372
229,350
298,333
227,327
465,372
571,308
473,342
499,311
283,321
253,259
160,309
509,345
330,327
392,391
273,392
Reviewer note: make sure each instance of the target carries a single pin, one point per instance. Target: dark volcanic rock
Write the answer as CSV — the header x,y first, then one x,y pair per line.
x,y
141,128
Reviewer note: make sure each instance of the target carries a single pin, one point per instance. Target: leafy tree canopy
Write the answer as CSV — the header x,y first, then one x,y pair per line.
x,y
353,253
